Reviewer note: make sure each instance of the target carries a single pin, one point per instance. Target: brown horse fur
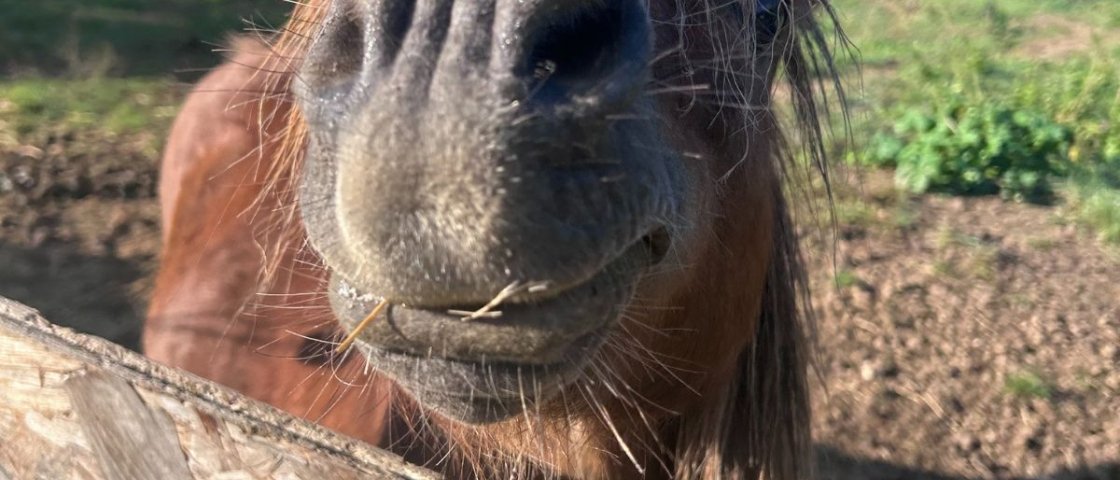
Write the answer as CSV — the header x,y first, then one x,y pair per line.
x,y
705,376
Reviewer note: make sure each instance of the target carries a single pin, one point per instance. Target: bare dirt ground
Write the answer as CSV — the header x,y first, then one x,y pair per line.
x,y
79,232
960,338
1061,37
966,338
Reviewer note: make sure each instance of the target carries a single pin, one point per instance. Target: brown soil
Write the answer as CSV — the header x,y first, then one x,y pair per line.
x,y
79,232
966,338
939,303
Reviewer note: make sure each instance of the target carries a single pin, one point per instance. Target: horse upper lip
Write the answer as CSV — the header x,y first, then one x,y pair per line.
x,y
655,242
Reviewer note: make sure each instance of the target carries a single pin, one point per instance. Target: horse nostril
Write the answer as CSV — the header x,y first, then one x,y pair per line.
x,y
335,57
579,50
658,243
355,36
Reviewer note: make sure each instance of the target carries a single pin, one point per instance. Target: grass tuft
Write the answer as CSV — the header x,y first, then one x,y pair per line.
x,y
1027,385
846,278
1098,207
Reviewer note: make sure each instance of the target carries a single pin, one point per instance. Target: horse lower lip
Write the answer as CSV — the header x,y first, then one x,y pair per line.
x,y
538,333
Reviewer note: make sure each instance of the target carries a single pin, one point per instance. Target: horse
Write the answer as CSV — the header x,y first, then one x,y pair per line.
x,y
573,218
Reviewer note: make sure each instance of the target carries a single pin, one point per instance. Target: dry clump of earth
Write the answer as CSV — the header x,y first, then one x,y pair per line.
x,y
959,338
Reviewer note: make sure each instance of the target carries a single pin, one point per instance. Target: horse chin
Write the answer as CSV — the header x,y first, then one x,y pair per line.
x,y
512,358
481,392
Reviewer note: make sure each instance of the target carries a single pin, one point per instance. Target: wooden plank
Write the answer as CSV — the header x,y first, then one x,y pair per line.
x,y
98,400
78,407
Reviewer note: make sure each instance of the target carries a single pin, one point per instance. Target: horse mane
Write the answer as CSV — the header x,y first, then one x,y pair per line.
x,y
763,426
760,426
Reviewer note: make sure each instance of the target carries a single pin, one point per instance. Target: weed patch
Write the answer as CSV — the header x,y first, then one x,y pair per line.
x,y
1027,385
952,109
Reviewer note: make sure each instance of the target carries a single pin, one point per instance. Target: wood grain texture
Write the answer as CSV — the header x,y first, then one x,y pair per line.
x,y
128,439
77,407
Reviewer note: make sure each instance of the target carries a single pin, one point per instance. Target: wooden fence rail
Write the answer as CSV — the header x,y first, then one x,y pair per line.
x,y
78,407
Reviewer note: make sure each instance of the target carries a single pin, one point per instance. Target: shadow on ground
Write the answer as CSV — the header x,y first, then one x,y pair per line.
x,y
91,294
834,464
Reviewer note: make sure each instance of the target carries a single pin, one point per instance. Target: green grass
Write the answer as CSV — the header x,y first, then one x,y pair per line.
x,y
122,37
846,278
88,71
1042,244
111,106
1098,207
1027,385
979,96
854,212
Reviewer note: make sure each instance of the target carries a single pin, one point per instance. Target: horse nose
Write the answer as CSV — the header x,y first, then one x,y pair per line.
x,y
456,146
522,51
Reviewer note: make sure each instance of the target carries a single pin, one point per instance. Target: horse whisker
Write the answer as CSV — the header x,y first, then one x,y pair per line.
x,y
365,323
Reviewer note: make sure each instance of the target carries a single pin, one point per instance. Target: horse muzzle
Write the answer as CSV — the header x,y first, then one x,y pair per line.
x,y
495,171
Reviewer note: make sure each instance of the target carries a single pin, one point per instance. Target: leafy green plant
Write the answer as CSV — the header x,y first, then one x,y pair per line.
x,y
974,149
1083,95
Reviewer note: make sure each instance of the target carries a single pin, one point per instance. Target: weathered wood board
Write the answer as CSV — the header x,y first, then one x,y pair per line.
x,y
77,407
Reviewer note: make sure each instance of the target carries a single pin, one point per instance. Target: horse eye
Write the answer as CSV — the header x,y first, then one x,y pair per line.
x,y
767,20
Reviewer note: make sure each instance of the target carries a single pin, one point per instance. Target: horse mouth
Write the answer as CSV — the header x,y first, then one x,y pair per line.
x,y
485,363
